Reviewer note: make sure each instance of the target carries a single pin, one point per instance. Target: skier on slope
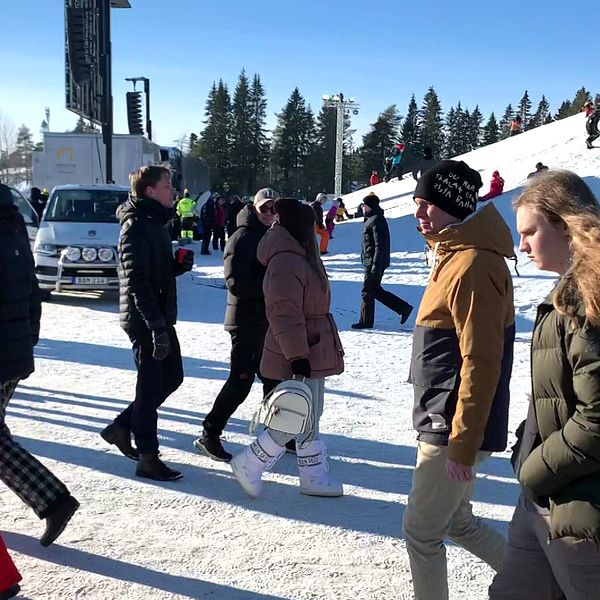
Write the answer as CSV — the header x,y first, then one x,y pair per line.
x,y
397,161
496,187
591,126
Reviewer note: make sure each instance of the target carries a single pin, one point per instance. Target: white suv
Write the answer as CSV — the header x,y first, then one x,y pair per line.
x,y
76,245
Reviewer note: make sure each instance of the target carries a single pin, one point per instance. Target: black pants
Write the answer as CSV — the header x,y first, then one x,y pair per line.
x,y
207,230
219,238
372,291
246,352
156,381
24,474
592,130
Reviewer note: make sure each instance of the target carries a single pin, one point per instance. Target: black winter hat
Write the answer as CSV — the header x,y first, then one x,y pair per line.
x,y
298,218
452,186
5,195
371,200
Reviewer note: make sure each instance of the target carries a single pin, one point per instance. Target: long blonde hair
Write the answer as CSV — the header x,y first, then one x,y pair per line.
x,y
564,198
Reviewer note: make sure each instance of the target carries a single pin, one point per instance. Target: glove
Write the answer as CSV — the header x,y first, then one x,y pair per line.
x,y
301,366
375,272
185,259
162,344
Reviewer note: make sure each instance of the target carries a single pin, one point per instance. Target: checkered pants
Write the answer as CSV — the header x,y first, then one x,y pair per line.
x,y
25,475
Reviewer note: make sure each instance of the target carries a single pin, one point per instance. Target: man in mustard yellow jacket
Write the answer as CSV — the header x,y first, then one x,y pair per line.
x,y
460,369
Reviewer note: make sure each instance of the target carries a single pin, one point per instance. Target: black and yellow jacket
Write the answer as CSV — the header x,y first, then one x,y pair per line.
x,y
558,460
463,339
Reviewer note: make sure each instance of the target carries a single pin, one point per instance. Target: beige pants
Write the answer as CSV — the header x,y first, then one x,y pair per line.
x,y
440,509
537,570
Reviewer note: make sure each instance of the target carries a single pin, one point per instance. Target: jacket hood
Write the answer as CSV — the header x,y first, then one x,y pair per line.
x,y
144,208
276,241
483,230
247,218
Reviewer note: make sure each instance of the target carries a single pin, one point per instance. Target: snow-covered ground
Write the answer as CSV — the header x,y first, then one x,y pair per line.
x,y
202,537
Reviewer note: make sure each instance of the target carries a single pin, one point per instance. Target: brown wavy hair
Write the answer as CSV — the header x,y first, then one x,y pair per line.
x,y
564,198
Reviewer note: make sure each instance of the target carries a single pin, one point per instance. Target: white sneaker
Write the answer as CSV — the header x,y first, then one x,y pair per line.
x,y
315,479
249,465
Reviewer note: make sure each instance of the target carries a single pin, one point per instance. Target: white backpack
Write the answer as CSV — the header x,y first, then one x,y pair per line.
x,y
288,409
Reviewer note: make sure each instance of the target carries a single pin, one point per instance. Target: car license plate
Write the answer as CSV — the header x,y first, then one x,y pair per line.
x,y
90,280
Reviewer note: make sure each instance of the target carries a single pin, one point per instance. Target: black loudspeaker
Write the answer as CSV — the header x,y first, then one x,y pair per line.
x,y
134,113
81,69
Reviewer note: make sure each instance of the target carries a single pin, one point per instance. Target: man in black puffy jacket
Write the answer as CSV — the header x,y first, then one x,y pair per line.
x,y
148,312
20,312
375,257
245,320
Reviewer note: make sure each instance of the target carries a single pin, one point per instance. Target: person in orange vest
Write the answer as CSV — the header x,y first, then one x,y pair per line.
x,y
320,228
374,179
496,187
515,126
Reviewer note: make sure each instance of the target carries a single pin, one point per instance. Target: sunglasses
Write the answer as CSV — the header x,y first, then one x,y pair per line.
x,y
266,208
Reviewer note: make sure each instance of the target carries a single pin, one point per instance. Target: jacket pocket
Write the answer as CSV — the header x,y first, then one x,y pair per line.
x,y
435,387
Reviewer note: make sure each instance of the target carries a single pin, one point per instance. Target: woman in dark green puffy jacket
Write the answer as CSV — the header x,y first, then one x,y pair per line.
x,y
554,536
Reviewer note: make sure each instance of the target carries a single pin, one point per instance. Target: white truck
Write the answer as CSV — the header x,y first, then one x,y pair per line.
x,y
79,158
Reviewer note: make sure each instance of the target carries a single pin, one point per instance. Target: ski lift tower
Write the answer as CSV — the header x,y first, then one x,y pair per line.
x,y
343,107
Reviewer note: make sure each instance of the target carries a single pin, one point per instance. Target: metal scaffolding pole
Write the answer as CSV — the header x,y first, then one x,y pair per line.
x,y
342,108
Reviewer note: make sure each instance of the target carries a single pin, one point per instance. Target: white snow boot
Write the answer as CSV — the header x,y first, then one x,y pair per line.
x,y
315,479
249,465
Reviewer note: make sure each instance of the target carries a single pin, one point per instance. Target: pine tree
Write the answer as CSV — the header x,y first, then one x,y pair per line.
x,y
83,126
431,123
491,131
564,110
507,117
193,142
410,128
379,141
581,97
293,142
524,109
241,134
452,131
258,135
474,129
23,148
215,139
540,116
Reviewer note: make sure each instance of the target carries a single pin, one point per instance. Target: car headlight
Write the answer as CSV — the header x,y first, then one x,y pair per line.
x,y
72,254
105,254
45,249
89,254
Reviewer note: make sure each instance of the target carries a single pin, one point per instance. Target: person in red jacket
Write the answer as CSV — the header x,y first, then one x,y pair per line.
x,y
496,187
374,179
9,576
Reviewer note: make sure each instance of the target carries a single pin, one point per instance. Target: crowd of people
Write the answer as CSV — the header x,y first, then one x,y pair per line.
x,y
282,330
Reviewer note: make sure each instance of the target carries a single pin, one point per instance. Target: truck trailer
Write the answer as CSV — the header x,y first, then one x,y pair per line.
x,y
79,158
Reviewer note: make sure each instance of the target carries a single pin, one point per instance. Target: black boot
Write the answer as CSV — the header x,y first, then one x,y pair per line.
x,y
151,467
57,518
405,313
360,325
121,437
212,447
11,592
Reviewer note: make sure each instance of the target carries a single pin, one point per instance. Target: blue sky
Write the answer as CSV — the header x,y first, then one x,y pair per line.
x,y
473,51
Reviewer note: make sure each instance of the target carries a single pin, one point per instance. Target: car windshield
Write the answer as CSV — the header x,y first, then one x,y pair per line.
x,y
85,206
